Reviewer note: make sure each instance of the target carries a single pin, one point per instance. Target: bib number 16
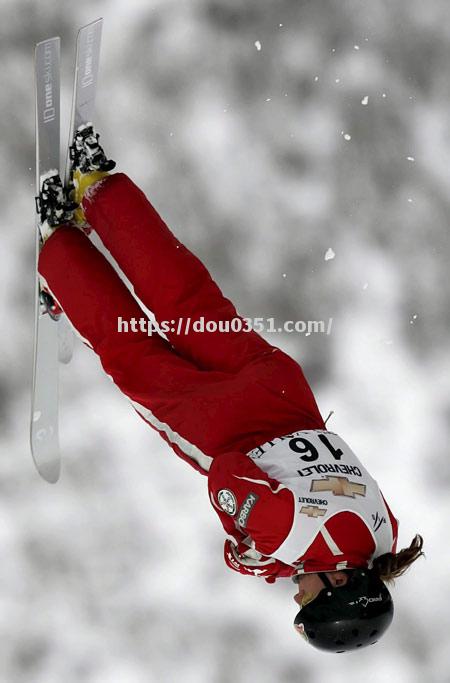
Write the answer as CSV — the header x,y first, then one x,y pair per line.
x,y
308,452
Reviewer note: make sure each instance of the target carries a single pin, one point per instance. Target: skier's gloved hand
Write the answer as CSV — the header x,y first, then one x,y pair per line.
x,y
250,502
245,560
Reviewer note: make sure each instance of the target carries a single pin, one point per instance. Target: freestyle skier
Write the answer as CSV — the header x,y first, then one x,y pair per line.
x,y
293,498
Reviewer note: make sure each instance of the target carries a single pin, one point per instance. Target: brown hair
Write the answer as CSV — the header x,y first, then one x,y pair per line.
x,y
391,565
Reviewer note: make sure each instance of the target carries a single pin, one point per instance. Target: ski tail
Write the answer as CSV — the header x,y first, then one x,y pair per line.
x,y
85,82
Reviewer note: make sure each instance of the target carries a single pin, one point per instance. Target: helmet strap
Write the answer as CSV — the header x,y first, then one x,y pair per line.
x,y
326,580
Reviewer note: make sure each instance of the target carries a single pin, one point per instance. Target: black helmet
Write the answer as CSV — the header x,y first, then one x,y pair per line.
x,y
348,617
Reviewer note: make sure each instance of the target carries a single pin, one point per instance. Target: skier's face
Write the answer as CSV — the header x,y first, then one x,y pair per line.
x,y
310,585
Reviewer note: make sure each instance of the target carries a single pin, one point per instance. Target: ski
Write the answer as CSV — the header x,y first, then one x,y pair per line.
x,y
85,80
53,341
85,83
44,435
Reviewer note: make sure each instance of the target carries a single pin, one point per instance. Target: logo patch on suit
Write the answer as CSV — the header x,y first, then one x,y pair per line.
x,y
312,511
246,508
339,486
227,501
378,521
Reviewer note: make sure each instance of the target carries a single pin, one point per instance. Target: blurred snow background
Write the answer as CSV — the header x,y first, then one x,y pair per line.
x,y
265,133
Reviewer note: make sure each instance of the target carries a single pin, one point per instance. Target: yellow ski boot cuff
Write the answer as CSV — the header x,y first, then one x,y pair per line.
x,y
81,182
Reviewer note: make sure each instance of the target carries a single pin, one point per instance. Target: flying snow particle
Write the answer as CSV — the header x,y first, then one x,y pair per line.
x,y
365,100
384,95
284,274
329,255
365,285
258,45
268,99
410,200
356,47
37,415
280,25
413,319
410,158
316,78
346,136
337,80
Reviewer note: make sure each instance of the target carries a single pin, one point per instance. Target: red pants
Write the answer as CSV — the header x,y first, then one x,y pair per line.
x,y
206,393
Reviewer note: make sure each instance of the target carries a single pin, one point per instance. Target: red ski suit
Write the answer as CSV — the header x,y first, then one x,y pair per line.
x,y
212,396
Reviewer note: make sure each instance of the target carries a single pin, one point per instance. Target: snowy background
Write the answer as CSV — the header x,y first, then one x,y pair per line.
x,y
266,133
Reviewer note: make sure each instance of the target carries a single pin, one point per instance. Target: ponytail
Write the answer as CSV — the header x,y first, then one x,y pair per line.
x,y
390,566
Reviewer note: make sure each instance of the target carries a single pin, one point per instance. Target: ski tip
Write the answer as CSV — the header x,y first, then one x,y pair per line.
x,y
51,477
50,472
45,451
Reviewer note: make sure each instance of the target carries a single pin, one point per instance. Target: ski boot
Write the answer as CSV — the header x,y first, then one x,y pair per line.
x,y
54,208
53,205
89,165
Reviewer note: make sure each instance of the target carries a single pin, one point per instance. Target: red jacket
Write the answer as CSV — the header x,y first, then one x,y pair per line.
x,y
271,519
213,396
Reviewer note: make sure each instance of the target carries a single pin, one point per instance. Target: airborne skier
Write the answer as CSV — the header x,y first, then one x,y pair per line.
x,y
293,498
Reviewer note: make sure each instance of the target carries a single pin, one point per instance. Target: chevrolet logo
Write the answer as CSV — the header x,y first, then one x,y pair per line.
x,y
339,486
312,511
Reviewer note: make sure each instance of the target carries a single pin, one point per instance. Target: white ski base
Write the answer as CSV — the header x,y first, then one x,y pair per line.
x,y
44,436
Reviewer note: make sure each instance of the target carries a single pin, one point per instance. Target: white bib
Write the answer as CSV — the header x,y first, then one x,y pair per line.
x,y
325,477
